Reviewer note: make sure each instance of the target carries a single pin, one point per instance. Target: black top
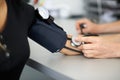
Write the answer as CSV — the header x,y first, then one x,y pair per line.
x,y
20,17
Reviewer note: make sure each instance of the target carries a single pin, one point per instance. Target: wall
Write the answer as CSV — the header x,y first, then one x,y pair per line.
x,y
76,6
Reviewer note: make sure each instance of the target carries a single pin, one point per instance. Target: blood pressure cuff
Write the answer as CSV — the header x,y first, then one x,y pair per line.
x,y
50,36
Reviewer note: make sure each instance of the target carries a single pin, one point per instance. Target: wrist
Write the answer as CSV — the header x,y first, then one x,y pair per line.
x,y
99,28
69,49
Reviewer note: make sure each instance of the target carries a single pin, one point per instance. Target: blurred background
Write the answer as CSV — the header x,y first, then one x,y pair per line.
x,y
101,11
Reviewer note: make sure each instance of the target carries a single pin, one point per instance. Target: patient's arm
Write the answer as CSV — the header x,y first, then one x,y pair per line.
x,y
70,52
51,36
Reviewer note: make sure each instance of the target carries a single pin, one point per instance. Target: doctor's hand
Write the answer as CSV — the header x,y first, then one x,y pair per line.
x,y
100,47
90,26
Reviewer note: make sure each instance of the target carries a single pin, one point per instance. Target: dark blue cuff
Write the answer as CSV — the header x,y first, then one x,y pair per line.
x,y
50,36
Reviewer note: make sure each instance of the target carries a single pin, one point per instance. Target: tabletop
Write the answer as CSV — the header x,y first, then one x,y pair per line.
x,y
61,67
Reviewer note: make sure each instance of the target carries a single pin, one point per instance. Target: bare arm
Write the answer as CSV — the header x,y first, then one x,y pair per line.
x,y
113,27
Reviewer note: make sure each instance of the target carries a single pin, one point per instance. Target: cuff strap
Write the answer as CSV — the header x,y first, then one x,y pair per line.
x,y
72,49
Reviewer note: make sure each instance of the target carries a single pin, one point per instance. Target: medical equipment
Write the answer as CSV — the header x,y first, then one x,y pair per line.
x,y
47,33
76,43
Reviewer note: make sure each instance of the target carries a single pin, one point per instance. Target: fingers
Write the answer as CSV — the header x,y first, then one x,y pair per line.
x,y
87,47
94,54
90,49
82,21
90,39
69,35
90,53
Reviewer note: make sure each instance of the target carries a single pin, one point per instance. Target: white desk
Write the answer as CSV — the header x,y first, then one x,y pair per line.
x,y
61,67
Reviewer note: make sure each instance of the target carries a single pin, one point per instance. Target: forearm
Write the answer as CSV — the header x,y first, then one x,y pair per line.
x,y
113,27
112,37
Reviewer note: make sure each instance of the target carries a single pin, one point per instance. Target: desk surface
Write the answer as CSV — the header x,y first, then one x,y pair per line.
x,y
62,67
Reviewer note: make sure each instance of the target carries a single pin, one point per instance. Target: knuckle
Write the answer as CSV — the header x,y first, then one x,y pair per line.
x,y
87,54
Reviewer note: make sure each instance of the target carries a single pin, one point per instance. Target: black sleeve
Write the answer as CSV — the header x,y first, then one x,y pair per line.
x,y
4,56
4,53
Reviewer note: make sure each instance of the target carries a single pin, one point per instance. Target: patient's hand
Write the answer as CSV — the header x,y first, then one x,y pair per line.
x,y
70,52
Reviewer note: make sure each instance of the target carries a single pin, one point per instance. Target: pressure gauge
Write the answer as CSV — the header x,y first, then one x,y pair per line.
x,y
43,12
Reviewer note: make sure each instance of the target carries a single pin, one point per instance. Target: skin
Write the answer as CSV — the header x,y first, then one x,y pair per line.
x,y
69,52
3,14
3,18
113,27
107,46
